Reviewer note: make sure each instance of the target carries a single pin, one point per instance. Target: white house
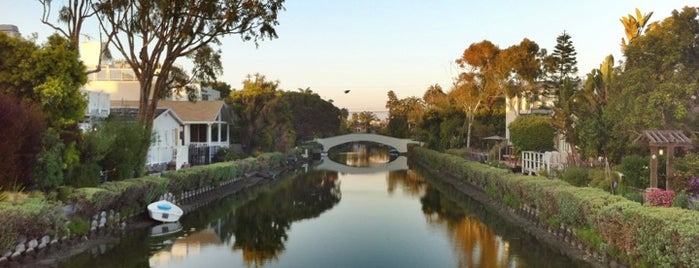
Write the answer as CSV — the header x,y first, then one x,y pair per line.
x,y
205,126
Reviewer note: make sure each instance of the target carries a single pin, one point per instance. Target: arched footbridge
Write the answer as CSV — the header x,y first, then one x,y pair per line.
x,y
400,144
400,163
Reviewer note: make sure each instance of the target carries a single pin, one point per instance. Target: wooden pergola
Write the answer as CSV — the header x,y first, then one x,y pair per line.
x,y
656,140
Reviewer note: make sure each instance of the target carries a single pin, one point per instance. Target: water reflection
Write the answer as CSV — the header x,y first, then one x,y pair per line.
x,y
386,219
480,238
362,154
261,226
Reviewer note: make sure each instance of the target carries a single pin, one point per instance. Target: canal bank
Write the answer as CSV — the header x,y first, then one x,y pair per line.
x,y
615,231
557,240
98,241
451,185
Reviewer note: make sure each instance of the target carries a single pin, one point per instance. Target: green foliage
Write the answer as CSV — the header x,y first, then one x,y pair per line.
x,y
48,171
312,116
33,217
131,140
264,118
532,133
226,154
576,176
636,171
638,235
78,226
49,76
681,201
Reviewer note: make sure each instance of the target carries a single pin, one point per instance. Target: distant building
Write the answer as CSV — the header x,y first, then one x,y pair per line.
x,y
10,30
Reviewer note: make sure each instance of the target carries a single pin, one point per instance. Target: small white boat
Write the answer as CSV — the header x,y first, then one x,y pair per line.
x,y
164,211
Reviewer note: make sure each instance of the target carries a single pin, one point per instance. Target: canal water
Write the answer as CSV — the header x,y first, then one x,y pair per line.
x,y
324,218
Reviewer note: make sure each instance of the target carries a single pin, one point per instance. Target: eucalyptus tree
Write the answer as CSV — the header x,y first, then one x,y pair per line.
x,y
153,35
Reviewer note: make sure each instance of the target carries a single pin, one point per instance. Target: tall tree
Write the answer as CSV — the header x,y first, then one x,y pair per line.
x,y
153,35
564,55
658,86
565,83
312,116
434,96
263,118
49,75
481,83
74,15
633,27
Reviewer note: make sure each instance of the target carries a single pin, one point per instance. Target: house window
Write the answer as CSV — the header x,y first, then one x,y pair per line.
x,y
224,132
198,133
214,132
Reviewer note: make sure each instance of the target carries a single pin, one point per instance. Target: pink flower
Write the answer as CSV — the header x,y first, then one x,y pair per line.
x,y
659,197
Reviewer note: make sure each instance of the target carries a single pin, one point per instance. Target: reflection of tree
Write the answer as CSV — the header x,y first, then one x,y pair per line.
x,y
480,237
260,226
475,242
410,181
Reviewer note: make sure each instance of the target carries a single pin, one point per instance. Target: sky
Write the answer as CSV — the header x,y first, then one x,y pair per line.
x,y
372,46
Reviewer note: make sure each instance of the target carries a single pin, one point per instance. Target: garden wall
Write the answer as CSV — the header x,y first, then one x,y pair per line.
x,y
614,227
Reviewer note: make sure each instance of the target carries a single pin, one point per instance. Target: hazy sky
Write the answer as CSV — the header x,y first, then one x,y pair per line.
x,y
372,46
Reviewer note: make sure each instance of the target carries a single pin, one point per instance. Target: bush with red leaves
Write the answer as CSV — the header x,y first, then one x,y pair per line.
x,y
23,125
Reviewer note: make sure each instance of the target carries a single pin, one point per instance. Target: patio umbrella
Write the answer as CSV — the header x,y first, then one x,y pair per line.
x,y
495,138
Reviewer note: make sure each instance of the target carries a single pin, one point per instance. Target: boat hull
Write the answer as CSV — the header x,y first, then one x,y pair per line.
x,y
164,211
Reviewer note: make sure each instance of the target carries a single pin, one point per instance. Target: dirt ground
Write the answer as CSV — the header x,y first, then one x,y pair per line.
x,y
52,256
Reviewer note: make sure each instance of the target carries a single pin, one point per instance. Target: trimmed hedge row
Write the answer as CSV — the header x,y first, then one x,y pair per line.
x,y
636,234
212,175
37,217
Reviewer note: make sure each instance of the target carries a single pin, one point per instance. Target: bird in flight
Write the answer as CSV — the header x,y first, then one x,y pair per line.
x,y
347,91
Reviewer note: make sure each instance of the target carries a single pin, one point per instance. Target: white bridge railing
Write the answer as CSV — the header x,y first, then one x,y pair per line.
x,y
535,162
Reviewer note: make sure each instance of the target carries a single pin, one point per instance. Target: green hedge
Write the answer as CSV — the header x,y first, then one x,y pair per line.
x,y
639,235
36,217
212,175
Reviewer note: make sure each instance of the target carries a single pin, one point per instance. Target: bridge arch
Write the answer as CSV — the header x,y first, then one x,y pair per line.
x,y
400,144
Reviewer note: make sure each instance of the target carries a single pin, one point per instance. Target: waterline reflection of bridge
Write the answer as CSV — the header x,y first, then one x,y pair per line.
x,y
400,163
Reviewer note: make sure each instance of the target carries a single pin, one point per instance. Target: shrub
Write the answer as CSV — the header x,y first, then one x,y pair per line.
x,y
576,176
693,187
532,133
681,201
659,197
635,170
23,126
78,226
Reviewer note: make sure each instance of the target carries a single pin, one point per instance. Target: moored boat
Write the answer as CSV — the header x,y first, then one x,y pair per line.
x,y
164,211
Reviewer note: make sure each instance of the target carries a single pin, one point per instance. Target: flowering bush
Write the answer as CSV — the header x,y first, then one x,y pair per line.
x,y
693,187
658,197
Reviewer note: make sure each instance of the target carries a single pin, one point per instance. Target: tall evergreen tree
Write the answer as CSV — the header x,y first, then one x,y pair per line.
x,y
565,61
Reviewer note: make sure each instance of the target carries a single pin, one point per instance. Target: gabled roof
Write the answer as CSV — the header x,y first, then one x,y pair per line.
x,y
663,137
131,112
189,112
